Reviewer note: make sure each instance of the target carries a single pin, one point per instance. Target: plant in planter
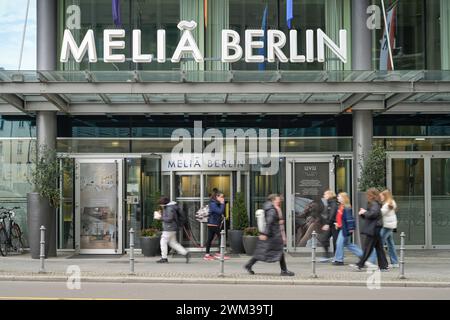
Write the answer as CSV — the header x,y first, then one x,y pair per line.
x,y
150,239
43,202
249,239
239,223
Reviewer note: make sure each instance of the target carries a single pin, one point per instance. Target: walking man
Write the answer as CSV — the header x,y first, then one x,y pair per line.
x,y
170,228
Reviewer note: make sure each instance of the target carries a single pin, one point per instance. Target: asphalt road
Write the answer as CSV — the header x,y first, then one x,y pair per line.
x,y
89,290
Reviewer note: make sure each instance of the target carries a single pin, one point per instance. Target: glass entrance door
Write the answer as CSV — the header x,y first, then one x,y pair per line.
x,y
192,191
420,183
98,205
307,179
440,201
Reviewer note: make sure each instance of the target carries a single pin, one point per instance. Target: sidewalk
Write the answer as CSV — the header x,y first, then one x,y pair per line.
x,y
422,269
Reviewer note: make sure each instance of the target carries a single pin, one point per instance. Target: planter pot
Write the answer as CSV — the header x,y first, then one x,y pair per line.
x,y
249,244
235,237
150,246
40,213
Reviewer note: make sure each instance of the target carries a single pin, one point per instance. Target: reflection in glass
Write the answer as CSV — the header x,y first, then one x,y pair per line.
x,y
408,191
187,186
98,205
190,236
440,201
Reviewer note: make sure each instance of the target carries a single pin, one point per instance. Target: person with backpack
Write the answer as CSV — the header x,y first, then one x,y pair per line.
x,y
172,219
371,228
389,225
215,219
345,225
270,245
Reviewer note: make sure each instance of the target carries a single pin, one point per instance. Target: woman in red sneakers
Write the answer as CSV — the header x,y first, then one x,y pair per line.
x,y
215,218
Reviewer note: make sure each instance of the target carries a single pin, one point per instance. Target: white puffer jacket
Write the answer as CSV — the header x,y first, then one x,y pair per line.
x,y
389,216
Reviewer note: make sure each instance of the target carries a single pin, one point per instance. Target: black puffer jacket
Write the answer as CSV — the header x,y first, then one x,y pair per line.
x,y
373,219
332,209
271,249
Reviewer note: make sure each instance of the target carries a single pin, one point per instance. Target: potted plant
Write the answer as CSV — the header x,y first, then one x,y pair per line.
x,y
373,175
250,239
239,223
43,202
150,239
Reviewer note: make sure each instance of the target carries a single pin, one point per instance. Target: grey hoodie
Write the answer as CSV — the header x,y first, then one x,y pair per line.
x,y
169,217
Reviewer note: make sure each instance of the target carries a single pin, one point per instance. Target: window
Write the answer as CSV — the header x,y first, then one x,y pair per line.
x,y
19,147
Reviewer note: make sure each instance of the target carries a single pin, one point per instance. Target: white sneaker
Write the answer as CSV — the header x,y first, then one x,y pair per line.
x,y
394,266
370,265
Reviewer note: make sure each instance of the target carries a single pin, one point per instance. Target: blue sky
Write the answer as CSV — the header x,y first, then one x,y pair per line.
x,y
12,18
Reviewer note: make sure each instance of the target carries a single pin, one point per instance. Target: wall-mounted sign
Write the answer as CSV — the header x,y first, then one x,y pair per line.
x,y
200,162
232,48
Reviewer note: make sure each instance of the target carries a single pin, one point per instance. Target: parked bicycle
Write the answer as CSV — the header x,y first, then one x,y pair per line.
x,y
10,233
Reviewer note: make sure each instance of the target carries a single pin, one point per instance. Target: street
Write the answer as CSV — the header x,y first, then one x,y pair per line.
x,y
90,290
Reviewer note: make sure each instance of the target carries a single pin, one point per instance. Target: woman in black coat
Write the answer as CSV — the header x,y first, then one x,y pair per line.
x,y
270,246
371,229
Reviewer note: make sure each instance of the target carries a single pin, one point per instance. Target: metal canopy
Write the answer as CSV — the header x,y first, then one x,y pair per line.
x,y
285,92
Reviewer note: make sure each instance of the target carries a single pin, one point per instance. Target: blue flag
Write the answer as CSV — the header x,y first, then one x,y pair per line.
x,y
116,13
261,51
289,12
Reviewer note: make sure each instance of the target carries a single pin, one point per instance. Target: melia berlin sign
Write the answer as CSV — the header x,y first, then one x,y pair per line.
x,y
232,50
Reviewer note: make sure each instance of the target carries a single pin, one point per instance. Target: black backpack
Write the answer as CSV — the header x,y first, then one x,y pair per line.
x,y
181,217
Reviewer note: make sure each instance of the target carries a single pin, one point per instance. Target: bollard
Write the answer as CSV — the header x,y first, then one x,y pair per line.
x,y
42,250
313,253
222,253
132,251
402,256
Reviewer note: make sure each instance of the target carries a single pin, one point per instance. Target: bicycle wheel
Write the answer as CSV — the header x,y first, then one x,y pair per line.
x,y
16,238
3,242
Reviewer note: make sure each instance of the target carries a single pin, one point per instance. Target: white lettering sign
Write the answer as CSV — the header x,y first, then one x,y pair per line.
x,y
254,49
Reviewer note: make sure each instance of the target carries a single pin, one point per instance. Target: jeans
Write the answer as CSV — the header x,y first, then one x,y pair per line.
x,y
212,232
170,238
344,242
387,237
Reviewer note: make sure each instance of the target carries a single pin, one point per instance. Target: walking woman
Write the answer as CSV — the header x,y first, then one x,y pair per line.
x,y
215,218
343,216
389,225
371,229
271,242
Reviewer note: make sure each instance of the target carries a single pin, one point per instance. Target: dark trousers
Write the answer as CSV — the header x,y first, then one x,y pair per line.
x,y
283,265
324,238
370,243
212,231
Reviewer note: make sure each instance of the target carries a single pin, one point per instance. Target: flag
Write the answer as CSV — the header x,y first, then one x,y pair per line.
x,y
261,51
289,12
116,13
391,18
205,12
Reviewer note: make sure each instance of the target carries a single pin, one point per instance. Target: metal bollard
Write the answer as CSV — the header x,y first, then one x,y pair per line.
x,y
42,250
222,253
313,253
402,255
132,251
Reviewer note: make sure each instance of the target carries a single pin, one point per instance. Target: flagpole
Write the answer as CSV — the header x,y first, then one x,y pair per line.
x,y
387,35
23,35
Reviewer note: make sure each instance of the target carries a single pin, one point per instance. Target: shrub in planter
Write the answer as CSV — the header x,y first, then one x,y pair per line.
x,y
239,223
150,239
42,203
249,239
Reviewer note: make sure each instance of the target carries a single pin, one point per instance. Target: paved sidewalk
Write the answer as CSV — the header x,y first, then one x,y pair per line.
x,y
422,269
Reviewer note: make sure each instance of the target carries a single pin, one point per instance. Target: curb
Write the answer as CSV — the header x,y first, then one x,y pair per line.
x,y
304,282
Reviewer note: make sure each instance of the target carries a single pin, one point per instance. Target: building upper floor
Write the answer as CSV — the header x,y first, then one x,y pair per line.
x,y
419,31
